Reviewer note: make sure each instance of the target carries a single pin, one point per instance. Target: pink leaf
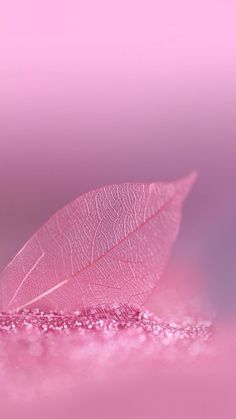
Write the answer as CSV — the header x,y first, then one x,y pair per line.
x,y
108,247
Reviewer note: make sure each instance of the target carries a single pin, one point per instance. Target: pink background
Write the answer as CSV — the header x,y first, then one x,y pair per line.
x,y
97,92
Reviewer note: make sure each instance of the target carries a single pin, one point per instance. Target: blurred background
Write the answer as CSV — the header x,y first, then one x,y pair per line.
x,y
99,92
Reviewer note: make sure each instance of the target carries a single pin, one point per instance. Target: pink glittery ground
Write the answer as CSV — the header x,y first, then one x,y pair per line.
x,y
102,321
105,362
46,354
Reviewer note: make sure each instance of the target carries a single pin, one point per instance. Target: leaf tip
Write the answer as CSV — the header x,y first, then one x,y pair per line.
x,y
184,185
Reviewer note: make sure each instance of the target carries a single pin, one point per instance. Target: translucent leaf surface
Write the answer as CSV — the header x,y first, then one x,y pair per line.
x,y
108,247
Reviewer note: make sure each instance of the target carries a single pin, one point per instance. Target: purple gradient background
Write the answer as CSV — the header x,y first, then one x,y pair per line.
x,y
94,93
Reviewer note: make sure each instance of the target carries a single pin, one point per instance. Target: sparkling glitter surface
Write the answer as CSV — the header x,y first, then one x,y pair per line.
x,y
51,354
103,320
